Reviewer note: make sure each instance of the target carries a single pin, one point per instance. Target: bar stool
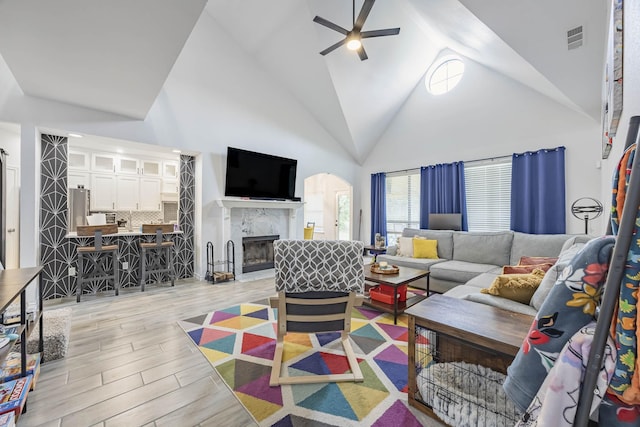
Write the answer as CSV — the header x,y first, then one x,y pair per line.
x,y
97,267
160,254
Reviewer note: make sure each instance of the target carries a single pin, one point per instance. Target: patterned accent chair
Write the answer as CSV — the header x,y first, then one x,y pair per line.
x,y
318,283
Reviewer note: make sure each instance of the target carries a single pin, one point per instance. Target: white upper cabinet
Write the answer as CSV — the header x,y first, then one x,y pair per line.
x,y
170,186
170,169
150,194
103,163
103,192
78,160
151,167
128,189
128,166
78,179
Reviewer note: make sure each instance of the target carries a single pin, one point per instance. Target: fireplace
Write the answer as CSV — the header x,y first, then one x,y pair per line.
x,y
257,253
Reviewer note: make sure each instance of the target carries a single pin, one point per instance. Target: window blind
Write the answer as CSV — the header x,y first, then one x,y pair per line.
x,y
403,204
488,191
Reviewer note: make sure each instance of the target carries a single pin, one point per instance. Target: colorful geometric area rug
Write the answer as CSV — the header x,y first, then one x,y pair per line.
x,y
240,343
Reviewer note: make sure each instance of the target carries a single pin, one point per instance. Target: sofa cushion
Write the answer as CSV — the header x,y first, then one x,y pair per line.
x,y
484,280
444,238
419,263
424,248
500,302
552,275
535,245
459,271
516,287
482,248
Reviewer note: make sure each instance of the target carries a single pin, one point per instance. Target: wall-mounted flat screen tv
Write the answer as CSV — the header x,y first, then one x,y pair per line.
x,y
259,176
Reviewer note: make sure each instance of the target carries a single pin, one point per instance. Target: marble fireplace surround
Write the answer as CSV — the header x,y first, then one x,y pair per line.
x,y
250,218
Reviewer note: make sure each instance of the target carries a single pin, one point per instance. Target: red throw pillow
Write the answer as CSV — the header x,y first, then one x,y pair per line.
x,y
524,269
532,260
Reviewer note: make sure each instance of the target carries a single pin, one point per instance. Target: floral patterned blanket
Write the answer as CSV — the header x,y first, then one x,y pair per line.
x,y
568,308
570,305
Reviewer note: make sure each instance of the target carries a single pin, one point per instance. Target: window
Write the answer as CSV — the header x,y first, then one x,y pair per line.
x,y
444,75
488,189
403,204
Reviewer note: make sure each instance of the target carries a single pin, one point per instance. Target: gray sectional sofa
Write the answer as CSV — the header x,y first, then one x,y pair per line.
x,y
470,261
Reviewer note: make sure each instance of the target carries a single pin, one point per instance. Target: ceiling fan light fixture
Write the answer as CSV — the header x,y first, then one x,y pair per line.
x,y
354,43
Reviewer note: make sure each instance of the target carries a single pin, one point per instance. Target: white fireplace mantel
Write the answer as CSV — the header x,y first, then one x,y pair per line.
x,y
242,203
257,204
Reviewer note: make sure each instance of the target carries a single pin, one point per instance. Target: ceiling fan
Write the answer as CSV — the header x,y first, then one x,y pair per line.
x,y
353,38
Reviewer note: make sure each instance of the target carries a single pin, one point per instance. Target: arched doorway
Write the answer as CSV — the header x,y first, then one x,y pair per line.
x,y
328,204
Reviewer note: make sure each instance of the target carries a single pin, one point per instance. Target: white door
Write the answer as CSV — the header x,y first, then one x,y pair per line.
x,y
343,215
13,218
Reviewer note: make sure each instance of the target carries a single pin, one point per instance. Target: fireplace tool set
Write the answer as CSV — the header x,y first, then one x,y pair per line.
x,y
222,270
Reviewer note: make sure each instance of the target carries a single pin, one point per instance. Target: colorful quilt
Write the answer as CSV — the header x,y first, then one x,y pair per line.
x,y
570,305
580,286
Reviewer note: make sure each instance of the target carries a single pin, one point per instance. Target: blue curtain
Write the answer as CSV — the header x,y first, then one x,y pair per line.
x,y
378,206
442,191
538,192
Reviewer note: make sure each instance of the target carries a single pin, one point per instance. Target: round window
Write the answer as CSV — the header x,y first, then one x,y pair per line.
x,y
444,75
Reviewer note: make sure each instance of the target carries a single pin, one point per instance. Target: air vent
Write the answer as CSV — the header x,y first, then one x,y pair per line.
x,y
574,38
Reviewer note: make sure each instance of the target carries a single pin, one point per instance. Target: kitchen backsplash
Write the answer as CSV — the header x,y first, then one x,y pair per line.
x,y
140,217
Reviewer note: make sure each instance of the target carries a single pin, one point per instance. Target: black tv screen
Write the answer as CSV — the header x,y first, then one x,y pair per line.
x,y
258,175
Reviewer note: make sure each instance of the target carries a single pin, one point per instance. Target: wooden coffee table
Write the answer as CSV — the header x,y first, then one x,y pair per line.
x,y
405,276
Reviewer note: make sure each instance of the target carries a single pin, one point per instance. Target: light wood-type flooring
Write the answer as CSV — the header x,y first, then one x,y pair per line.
x,y
130,364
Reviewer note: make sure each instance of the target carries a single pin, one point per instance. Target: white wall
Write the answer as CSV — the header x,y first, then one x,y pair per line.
x,y
216,96
630,94
488,115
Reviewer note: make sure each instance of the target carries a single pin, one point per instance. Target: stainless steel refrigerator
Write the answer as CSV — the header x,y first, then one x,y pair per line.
x,y
78,207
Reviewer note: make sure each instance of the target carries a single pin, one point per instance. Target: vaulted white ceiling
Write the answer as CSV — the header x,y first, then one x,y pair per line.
x,y
116,55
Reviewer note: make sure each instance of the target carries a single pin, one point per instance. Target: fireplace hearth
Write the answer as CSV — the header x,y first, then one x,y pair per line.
x,y
257,253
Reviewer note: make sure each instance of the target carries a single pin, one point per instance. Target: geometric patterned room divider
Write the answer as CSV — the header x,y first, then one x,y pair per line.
x,y
58,253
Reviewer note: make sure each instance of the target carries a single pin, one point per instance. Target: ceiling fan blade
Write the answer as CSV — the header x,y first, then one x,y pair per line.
x,y
333,47
362,16
362,54
331,25
380,33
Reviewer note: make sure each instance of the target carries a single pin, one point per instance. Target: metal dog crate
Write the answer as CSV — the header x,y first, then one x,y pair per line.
x,y
457,392
459,352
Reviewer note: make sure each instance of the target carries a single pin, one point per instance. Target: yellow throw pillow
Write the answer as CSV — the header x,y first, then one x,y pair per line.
x,y
516,287
424,248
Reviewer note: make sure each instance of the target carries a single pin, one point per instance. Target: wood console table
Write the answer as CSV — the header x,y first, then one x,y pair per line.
x,y
464,331
13,284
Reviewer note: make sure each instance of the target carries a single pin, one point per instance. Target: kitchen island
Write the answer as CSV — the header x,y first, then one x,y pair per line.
x,y
128,256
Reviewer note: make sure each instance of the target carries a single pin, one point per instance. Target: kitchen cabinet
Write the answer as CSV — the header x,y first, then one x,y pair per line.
x,y
103,163
103,192
151,168
170,186
150,194
170,169
127,192
127,166
76,179
78,160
